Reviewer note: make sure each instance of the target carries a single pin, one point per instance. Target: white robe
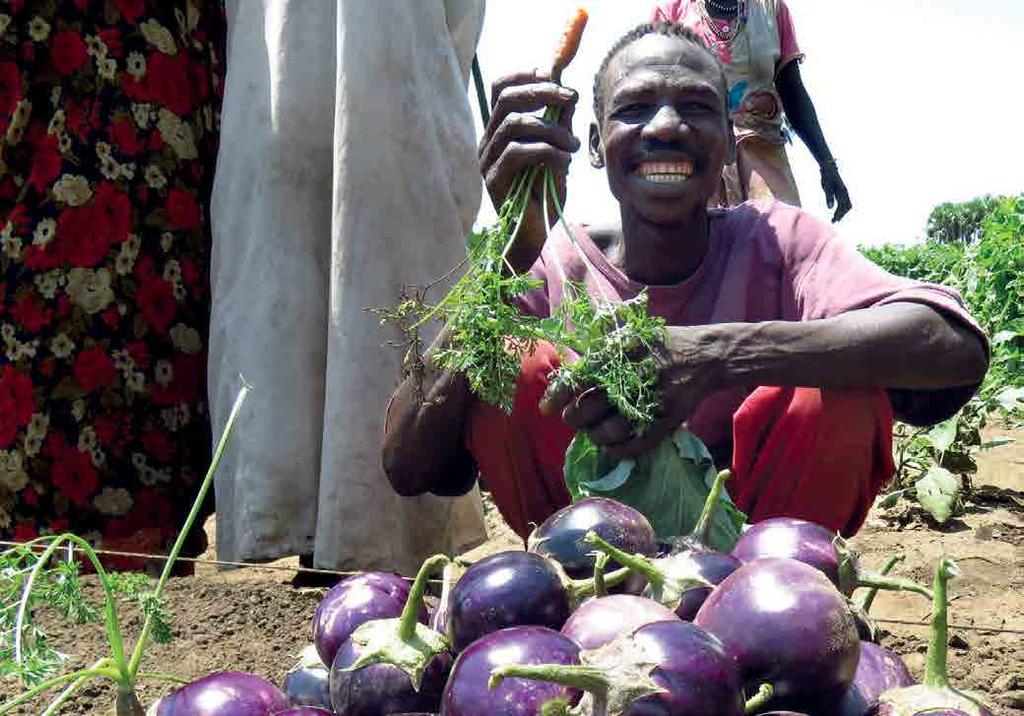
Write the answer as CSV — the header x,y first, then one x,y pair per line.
x,y
347,168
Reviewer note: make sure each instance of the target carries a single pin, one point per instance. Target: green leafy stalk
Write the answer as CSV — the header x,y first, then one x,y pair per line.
x,y
152,605
935,669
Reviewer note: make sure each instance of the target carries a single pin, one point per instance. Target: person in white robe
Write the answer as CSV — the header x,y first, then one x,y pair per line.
x,y
347,169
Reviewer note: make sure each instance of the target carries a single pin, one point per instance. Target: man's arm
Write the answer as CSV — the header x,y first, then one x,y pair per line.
x,y
895,346
423,448
801,114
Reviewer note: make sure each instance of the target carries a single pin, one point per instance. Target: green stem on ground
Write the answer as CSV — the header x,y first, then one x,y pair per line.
x,y
634,562
111,622
757,702
585,678
193,515
867,598
935,669
702,530
106,672
411,611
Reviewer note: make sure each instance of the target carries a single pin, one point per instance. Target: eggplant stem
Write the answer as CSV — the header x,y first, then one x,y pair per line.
x,y
868,597
586,678
411,611
600,586
702,530
635,562
764,694
935,669
892,584
580,589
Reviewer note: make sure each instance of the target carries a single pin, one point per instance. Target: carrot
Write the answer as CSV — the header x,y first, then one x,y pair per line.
x,y
570,43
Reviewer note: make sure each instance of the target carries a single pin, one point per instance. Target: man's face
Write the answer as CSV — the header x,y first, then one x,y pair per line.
x,y
665,134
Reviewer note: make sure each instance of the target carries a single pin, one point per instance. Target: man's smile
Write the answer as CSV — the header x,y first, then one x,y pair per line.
x,y
665,172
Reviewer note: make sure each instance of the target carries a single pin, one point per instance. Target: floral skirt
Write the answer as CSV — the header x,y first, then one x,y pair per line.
x,y
108,115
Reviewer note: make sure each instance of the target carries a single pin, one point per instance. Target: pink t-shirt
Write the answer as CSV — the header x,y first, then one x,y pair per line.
x,y
765,43
766,261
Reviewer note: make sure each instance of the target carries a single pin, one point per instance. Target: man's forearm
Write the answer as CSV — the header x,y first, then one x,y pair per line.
x,y
901,345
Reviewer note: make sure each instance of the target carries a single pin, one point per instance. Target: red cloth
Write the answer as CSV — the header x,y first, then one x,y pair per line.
x,y
821,455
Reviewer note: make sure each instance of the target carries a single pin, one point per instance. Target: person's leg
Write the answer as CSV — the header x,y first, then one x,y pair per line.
x,y
764,171
521,455
821,455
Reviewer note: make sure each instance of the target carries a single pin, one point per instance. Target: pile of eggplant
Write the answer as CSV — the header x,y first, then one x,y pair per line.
x,y
595,620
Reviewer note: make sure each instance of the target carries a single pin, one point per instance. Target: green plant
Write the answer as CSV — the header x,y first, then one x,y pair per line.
x,y
33,576
959,222
988,271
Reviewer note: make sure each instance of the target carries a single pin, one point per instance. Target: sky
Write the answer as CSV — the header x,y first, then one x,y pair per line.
x,y
920,101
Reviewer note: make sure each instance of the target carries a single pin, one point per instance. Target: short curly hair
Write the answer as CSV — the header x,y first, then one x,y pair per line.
x,y
666,29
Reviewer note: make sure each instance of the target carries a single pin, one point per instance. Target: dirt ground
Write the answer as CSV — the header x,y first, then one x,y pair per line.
x,y
254,620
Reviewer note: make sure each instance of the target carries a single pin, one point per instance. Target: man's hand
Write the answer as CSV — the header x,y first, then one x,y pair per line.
x,y
689,371
517,139
835,191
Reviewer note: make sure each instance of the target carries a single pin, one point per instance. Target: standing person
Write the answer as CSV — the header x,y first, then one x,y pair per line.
x,y
108,115
348,168
756,42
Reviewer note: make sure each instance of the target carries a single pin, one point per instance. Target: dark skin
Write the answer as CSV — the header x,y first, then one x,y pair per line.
x,y
665,106
799,109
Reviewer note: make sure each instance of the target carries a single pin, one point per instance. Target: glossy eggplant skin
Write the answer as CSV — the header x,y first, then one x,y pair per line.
x,y
712,566
797,539
308,686
506,590
467,692
693,668
354,601
878,670
560,537
384,688
786,625
602,620
225,693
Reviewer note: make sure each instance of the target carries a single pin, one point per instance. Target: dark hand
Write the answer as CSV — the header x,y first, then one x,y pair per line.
x,y
835,191
517,139
688,374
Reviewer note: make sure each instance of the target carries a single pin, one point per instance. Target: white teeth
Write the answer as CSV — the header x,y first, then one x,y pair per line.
x,y
665,171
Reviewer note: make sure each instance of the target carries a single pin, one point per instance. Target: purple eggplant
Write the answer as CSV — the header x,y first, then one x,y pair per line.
x,y
669,668
788,626
793,538
353,601
936,696
513,589
669,579
308,682
818,547
560,536
226,693
468,692
304,711
600,621
393,665
713,567
878,670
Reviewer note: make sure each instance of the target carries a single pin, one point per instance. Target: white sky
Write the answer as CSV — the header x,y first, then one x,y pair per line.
x,y
920,100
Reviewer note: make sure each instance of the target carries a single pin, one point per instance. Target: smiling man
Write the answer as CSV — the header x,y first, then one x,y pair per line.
x,y
788,353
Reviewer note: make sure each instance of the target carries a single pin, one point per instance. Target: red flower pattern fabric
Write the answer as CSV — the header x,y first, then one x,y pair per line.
x,y
108,128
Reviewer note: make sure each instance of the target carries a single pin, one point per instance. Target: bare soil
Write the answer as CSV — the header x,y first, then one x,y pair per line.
x,y
254,620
